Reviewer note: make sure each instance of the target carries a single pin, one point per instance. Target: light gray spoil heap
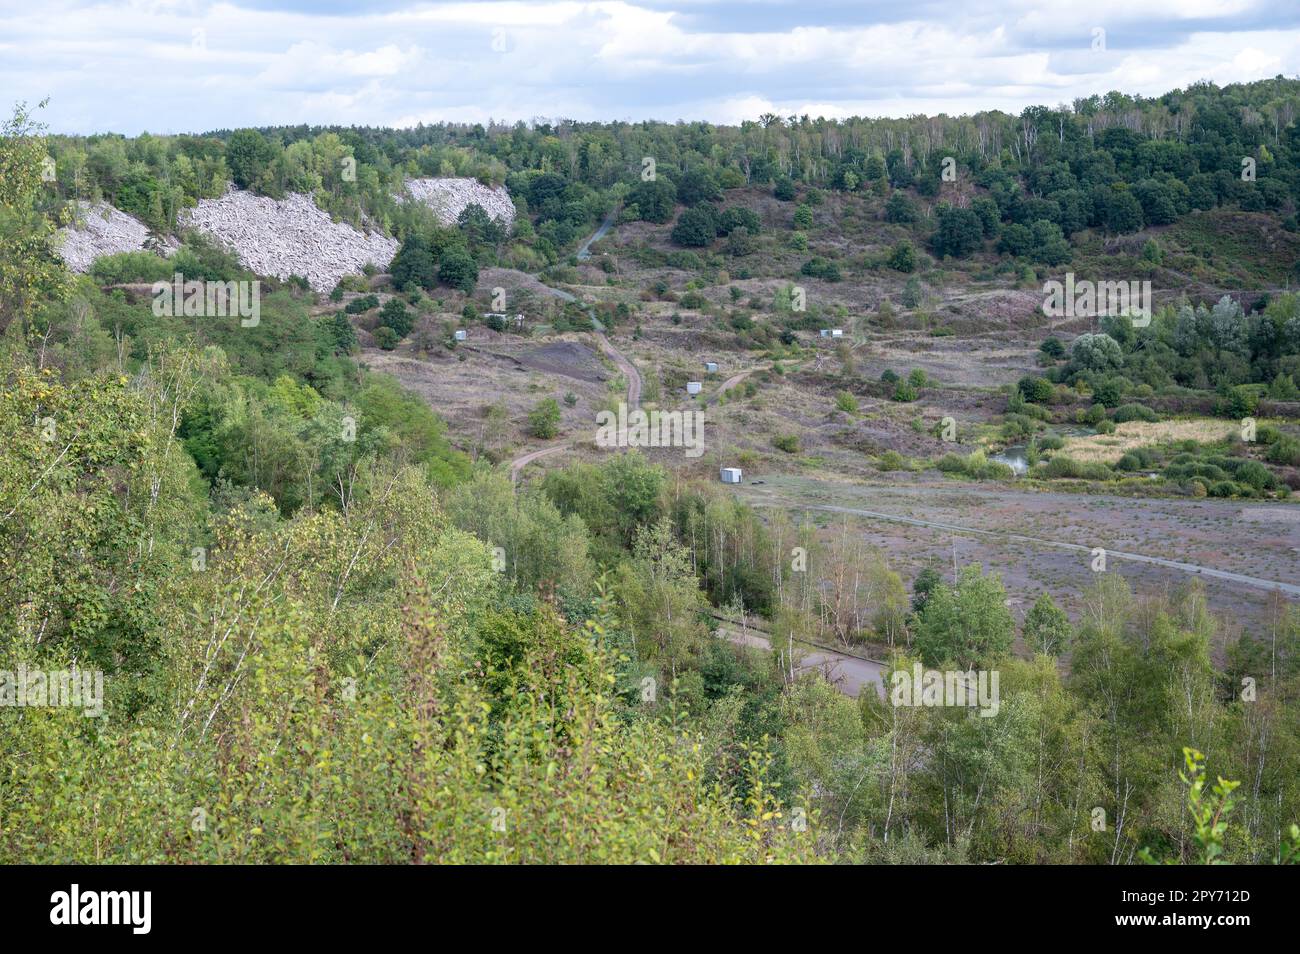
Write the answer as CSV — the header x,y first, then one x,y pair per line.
x,y
449,197
289,236
100,230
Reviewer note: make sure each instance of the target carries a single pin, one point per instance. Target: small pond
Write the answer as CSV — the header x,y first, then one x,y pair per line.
x,y
1016,456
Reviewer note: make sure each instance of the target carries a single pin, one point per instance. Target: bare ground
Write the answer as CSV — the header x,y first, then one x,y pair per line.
x,y
1256,540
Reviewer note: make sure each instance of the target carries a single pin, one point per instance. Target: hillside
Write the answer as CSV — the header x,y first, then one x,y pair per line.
x,y
370,577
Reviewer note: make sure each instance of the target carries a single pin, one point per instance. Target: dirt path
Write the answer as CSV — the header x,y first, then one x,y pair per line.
x,y
633,377
730,383
627,367
1252,581
519,463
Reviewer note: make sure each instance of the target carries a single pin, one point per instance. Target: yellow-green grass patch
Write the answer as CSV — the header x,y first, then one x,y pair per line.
x,y
1108,448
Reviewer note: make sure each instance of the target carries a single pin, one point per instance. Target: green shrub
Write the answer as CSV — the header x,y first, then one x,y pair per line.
x,y
1053,348
1036,389
818,267
902,258
786,442
394,315
1093,415
458,270
1255,475
1285,450
364,303
1133,412
1109,392
697,227
975,465
1140,458
1062,467
905,391
544,419
1050,442
1016,427
128,267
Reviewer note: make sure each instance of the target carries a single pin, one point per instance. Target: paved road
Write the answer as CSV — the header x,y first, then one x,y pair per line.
x,y
848,673
1193,568
584,251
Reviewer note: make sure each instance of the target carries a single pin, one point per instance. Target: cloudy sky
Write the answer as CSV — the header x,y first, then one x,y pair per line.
x,y
191,65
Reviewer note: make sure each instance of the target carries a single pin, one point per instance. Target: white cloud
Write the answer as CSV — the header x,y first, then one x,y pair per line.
x,y
122,65
308,64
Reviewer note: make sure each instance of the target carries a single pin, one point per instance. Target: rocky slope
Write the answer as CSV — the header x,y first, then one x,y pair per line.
x,y
101,230
281,237
449,197
290,236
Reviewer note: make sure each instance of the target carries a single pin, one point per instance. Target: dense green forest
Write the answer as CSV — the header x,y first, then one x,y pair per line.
x,y
327,635
1029,182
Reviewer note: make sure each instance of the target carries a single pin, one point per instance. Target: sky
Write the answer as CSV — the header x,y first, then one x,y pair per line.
x,y
168,66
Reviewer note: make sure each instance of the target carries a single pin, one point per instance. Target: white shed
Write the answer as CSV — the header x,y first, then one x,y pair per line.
x,y
730,475
711,367
461,334
694,387
837,332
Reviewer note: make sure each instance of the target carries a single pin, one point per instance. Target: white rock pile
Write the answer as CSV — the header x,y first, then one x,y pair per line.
x,y
281,237
100,230
449,197
290,236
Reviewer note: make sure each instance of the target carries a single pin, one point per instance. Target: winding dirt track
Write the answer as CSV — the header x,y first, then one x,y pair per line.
x,y
629,370
633,377
627,367
732,381
519,463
